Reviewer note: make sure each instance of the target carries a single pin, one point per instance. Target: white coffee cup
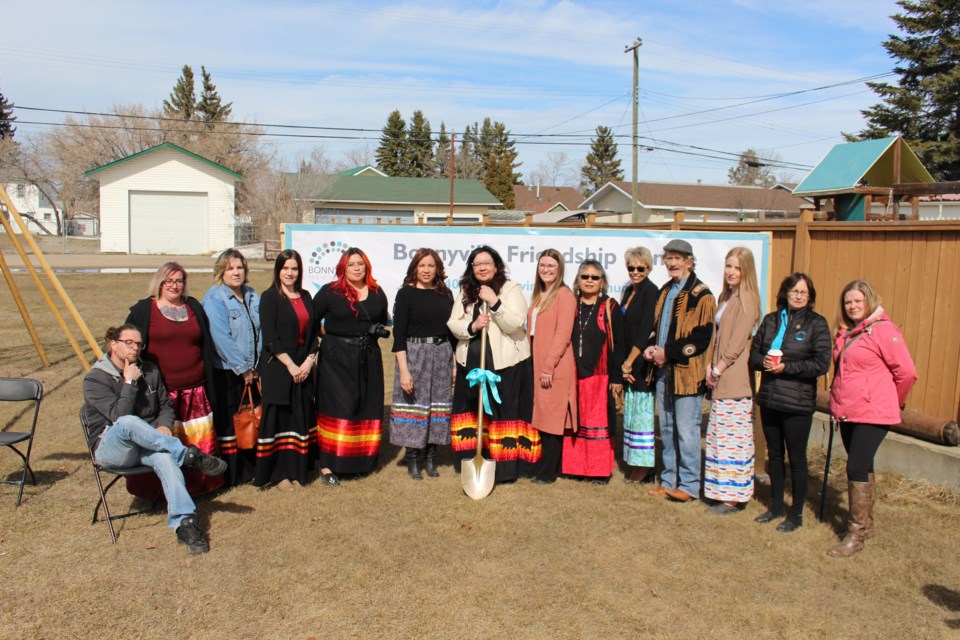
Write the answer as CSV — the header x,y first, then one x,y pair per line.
x,y
776,355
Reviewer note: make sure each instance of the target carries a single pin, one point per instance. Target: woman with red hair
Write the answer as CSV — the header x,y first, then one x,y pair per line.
x,y
353,309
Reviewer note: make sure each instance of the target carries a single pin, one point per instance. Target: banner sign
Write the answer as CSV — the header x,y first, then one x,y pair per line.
x,y
390,249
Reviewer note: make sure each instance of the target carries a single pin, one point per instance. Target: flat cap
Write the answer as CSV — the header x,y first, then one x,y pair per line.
x,y
680,246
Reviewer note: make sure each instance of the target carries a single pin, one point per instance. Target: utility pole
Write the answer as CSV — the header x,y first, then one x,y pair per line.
x,y
637,43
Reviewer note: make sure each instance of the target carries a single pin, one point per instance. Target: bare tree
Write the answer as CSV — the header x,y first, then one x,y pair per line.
x,y
358,156
555,170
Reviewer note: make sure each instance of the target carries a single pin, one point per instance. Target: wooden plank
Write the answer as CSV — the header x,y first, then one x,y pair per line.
x,y
924,350
946,334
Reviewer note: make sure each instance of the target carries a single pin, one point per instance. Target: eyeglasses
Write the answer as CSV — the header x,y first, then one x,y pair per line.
x,y
132,343
170,282
482,264
796,293
590,276
637,269
548,267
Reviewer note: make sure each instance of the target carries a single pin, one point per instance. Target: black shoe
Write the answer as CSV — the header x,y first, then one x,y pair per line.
x,y
413,463
789,525
723,509
199,461
768,516
430,461
189,533
329,479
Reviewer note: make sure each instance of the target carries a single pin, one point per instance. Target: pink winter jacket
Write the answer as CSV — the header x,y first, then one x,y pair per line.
x,y
873,375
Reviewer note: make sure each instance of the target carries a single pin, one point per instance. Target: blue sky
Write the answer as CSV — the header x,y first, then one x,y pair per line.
x,y
542,68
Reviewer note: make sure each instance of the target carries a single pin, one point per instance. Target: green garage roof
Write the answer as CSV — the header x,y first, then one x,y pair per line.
x,y
866,163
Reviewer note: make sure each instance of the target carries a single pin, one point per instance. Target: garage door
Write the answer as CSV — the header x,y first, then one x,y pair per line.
x,y
168,222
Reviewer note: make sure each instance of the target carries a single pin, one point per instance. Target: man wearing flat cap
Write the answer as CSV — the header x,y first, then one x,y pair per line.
x,y
678,349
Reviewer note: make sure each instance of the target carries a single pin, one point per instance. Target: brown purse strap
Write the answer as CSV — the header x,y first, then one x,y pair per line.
x,y
246,399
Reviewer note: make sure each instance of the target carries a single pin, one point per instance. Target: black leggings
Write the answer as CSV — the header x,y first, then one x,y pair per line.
x,y
861,442
792,430
549,467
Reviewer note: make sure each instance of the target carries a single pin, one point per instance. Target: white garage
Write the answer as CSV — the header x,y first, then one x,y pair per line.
x,y
166,200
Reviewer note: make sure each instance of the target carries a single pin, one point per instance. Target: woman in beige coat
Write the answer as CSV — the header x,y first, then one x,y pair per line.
x,y
550,327
729,450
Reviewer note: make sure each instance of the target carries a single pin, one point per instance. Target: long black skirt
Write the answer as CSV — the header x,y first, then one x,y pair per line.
x,y
508,437
286,444
349,404
228,389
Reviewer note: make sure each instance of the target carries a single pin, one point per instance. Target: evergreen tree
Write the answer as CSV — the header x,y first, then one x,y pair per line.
x,y
182,101
441,159
923,106
467,164
498,180
602,164
419,147
6,119
210,107
752,171
493,141
392,154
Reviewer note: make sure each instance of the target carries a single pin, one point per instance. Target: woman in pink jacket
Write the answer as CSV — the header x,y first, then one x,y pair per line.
x,y
873,373
550,327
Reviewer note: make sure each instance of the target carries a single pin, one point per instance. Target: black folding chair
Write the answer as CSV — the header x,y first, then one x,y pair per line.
x,y
117,473
21,390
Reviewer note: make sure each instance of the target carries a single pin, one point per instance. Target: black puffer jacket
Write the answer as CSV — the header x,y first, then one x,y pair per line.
x,y
806,357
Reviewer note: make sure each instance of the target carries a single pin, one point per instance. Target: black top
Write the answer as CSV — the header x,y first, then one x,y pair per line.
x,y
281,332
595,339
333,309
420,313
639,319
806,356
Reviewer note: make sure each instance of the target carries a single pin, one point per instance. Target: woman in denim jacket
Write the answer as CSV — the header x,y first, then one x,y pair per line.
x,y
233,308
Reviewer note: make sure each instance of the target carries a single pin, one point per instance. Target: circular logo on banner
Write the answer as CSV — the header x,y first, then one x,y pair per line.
x,y
322,262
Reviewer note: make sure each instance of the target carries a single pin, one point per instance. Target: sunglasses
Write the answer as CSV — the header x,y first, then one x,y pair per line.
x,y
589,276
639,269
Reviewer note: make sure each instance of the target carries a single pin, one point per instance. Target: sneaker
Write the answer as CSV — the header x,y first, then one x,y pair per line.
x,y
199,461
189,533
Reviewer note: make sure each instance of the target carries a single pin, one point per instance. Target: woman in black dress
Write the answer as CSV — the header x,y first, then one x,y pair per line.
x,y
289,353
353,309
422,379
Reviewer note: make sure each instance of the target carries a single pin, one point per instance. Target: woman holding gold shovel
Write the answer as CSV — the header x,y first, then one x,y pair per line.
x,y
489,301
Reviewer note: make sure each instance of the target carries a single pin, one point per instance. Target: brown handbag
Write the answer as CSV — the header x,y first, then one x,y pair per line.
x,y
246,421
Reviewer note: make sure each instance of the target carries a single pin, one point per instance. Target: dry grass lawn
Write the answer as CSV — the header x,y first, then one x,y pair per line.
x,y
387,557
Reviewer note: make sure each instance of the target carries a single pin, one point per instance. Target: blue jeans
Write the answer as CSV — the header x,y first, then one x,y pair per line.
x,y
680,418
130,442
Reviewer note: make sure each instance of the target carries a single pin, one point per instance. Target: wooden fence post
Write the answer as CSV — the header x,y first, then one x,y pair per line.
x,y
801,242
678,216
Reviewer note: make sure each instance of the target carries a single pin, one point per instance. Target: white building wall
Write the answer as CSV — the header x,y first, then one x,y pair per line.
x,y
26,198
171,171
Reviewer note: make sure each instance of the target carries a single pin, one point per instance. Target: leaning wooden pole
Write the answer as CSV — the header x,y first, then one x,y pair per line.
x,y
12,284
54,280
14,239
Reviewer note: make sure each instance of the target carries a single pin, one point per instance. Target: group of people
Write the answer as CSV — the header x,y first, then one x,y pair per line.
x,y
550,377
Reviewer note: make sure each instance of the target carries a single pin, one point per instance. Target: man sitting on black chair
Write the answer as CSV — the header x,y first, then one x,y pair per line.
x,y
129,413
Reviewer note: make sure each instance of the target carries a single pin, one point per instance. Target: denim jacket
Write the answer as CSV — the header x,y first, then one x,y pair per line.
x,y
238,344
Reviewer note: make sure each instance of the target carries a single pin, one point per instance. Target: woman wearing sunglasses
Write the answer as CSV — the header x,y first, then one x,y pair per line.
x,y
639,306
597,344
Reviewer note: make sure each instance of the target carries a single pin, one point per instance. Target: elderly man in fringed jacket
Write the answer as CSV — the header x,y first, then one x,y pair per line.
x,y
678,349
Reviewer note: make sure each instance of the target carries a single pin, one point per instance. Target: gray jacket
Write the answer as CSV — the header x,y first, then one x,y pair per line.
x,y
107,398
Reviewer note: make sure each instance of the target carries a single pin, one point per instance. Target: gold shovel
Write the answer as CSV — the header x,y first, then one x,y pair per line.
x,y
477,475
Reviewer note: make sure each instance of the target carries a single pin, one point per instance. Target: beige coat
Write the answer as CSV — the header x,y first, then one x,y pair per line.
x,y
555,409
731,345
508,340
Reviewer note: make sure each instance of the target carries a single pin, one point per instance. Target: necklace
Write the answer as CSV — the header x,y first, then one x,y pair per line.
x,y
583,323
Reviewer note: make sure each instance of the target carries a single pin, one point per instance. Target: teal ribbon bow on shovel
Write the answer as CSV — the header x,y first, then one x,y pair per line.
x,y
487,380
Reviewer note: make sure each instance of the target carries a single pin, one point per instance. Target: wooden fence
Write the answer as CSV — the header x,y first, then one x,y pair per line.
x,y
915,266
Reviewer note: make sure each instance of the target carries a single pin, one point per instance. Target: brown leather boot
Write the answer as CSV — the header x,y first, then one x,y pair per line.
x,y
868,531
861,502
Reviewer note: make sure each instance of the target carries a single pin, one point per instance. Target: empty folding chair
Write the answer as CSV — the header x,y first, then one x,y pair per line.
x,y
21,390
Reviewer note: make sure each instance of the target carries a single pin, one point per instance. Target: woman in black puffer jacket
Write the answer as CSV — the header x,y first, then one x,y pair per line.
x,y
788,388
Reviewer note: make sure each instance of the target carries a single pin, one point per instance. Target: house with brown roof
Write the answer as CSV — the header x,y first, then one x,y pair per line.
x,y
657,202
543,199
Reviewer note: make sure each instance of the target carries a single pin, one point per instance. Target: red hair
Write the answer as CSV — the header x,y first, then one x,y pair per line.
x,y
343,287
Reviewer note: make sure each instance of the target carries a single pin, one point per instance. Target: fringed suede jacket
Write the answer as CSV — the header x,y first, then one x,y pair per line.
x,y
688,342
